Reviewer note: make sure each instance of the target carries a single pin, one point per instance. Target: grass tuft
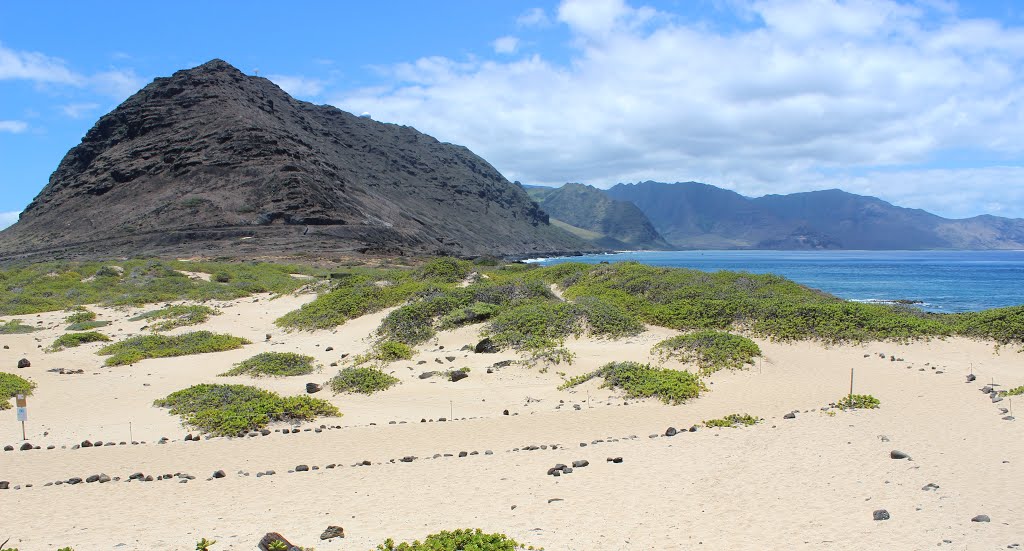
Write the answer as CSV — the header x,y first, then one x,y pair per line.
x,y
458,540
733,420
161,346
71,340
858,401
710,350
231,410
12,385
362,380
180,315
15,327
643,381
274,364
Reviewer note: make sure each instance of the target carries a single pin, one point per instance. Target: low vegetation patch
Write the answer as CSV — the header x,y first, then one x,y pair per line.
x,y
710,350
362,380
538,327
11,386
274,364
162,346
858,401
179,315
71,340
230,410
80,315
457,540
15,327
355,295
1015,391
733,420
51,286
643,381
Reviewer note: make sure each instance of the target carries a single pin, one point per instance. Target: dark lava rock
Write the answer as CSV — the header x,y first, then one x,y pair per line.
x,y
311,176
23,363
103,478
580,463
930,487
971,378
5,485
458,376
789,415
333,532
408,459
74,480
981,518
880,514
328,349
427,374
485,346
313,388
8,448
26,446
218,474
671,431
615,459
92,478
301,468
896,454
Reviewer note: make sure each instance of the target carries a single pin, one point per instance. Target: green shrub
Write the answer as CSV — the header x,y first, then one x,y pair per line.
x,y
534,326
457,540
733,420
390,351
221,277
643,381
11,386
80,316
204,544
15,327
71,340
447,270
161,346
1015,391
229,410
362,380
275,364
355,296
608,319
710,350
858,401
180,315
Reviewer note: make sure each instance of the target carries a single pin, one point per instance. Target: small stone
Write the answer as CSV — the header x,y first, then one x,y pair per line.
x,y
896,454
880,514
931,486
981,518
333,532
328,349
23,363
26,446
313,388
301,468
580,463
218,474
458,376
671,431
790,415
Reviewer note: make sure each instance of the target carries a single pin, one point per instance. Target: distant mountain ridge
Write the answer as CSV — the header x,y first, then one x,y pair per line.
x,y
211,161
692,215
592,215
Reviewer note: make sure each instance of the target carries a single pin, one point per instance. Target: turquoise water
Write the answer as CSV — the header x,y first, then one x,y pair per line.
x,y
943,281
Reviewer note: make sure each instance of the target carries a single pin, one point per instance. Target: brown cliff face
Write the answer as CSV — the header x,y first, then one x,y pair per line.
x,y
198,162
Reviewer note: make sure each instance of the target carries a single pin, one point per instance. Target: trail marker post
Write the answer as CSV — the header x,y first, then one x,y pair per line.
x,y
21,403
851,385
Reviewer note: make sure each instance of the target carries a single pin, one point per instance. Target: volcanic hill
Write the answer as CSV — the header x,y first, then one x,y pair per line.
x,y
211,161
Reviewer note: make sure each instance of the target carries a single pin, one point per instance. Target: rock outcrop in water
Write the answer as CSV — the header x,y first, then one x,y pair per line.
x,y
212,161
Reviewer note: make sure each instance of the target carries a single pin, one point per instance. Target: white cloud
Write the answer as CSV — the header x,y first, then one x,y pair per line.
x,y
533,17
506,45
8,218
14,127
812,94
298,86
78,110
118,84
36,67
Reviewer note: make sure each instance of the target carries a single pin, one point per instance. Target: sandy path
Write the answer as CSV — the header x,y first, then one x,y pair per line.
x,y
807,483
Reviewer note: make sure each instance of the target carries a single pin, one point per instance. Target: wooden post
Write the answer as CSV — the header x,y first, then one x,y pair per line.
x,y
851,385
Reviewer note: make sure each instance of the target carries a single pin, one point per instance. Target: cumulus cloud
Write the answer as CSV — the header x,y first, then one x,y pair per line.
x,y
8,218
808,94
78,110
36,67
14,127
506,45
533,17
118,84
298,86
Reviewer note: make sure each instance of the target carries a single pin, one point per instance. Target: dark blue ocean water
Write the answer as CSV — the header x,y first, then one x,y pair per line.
x,y
944,281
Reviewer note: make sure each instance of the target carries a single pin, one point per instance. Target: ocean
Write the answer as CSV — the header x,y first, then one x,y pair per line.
x,y
940,281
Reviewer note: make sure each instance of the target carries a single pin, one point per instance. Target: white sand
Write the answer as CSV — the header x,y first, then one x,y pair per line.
x,y
807,483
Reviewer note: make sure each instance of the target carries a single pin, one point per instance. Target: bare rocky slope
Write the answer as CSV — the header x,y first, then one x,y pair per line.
x,y
592,215
211,161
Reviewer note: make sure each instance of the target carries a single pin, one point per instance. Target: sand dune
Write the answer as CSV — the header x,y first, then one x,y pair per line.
x,y
806,483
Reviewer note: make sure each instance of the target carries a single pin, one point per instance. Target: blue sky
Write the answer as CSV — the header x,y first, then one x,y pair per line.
x,y
920,103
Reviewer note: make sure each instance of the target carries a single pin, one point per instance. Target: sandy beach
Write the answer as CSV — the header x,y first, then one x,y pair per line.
x,y
811,482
